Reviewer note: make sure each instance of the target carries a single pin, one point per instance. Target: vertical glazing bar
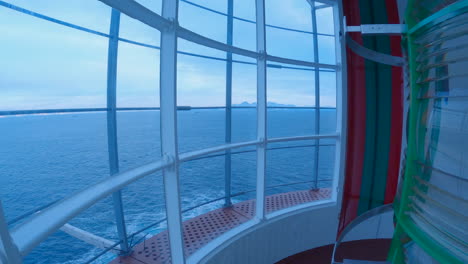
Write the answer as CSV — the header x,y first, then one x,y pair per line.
x,y
341,104
169,146
317,93
8,251
261,108
227,158
112,124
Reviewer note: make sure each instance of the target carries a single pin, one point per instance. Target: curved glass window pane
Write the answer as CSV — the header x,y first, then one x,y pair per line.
x,y
201,83
153,5
96,219
185,46
41,61
138,135
326,47
64,148
216,5
203,22
291,87
244,98
137,76
85,13
134,30
144,205
244,35
298,168
294,14
289,44
244,9
328,89
325,20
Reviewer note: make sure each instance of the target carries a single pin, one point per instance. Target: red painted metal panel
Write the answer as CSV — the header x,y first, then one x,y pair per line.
x,y
356,121
397,109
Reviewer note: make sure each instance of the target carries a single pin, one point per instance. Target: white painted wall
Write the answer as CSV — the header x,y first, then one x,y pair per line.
x,y
280,237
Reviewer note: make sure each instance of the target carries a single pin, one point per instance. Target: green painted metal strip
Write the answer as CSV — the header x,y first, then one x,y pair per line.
x,y
384,115
448,12
366,9
378,112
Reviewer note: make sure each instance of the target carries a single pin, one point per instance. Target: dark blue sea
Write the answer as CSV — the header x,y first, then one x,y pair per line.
x,y
44,158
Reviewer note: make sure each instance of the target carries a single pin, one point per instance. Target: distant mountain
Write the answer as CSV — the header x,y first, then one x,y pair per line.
x,y
253,104
280,105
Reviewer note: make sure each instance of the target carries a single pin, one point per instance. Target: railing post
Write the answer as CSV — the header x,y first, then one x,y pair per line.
x,y
169,147
228,134
112,125
9,253
261,108
317,92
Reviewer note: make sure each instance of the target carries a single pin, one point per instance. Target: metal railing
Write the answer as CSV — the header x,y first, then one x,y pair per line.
x,y
133,235
27,235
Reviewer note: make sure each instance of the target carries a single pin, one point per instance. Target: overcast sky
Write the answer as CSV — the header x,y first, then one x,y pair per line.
x,y
46,65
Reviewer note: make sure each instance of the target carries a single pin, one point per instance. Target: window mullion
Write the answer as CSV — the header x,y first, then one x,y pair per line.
x,y
112,125
169,146
317,93
261,108
228,132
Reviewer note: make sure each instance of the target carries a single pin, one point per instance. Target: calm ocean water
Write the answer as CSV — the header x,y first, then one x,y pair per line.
x,y
46,157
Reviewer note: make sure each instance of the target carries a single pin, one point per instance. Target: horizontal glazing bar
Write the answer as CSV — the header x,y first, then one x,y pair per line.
x,y
284,139
254,150
60,22
181,108
253,22
31,13
198,153
148,17
301,63
50,111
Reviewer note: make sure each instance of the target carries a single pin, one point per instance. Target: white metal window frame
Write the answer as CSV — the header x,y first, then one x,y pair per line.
x,y
18,242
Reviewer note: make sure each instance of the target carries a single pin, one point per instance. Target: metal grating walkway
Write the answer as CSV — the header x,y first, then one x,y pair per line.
x,y
200,230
